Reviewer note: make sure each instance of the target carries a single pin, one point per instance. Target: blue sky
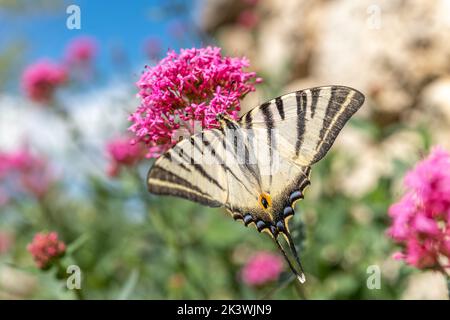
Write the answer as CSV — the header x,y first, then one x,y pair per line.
x,y
122,25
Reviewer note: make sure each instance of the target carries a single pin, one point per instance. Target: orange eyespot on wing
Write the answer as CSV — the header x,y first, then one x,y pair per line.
x,y
264,200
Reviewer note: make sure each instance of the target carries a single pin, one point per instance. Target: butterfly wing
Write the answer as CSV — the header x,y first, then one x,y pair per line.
x,y
251,178
182,172
305,122
206,169
291,133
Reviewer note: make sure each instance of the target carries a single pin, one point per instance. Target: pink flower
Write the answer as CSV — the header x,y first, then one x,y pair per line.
x,y
41,79
45,248
6,241
262,268
430,180
187,89
81,51
420,220
23,172
123,153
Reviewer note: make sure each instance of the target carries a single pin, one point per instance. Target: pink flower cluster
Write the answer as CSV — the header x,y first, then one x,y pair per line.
x,y
81,51
421,219
41,79
187,89
23,172
45,248
262,268
123,152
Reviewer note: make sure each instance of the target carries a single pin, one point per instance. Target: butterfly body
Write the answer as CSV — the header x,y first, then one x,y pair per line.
x,y
259,166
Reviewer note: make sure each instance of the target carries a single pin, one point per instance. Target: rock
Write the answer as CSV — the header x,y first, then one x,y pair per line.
x,y
426,286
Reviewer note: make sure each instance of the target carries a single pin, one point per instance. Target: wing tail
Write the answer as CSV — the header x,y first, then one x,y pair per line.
x,y
289,251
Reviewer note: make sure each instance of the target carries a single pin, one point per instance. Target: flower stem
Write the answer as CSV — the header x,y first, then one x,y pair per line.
x,y
79,294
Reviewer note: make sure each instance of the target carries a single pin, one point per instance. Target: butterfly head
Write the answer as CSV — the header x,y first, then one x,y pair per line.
x,y
220,116
226,121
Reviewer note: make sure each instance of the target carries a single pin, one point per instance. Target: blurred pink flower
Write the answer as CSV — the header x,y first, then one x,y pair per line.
x,y
248,18
123,152
45,248
41,79
262,268
420,220
187,89
81,51
23,172
6,241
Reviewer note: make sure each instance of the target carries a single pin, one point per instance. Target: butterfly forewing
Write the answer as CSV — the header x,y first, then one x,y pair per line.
x,y
307,121
190,170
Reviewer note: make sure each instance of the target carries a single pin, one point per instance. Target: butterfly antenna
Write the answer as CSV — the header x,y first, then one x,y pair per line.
x,y
296,265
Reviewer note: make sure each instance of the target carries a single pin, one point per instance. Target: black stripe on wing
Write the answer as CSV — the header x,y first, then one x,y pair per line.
x,y
271,143
343,103
222,163
302,101
198,167
315,93
245,167
163,182
280,108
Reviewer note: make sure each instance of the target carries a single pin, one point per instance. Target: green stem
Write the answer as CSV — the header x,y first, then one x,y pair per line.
x,y
79,294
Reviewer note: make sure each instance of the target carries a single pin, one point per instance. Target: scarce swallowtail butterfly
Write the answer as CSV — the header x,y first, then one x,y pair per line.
x,y
259,166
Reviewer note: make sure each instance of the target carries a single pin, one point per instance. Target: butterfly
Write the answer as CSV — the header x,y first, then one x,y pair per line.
x,y
258,166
